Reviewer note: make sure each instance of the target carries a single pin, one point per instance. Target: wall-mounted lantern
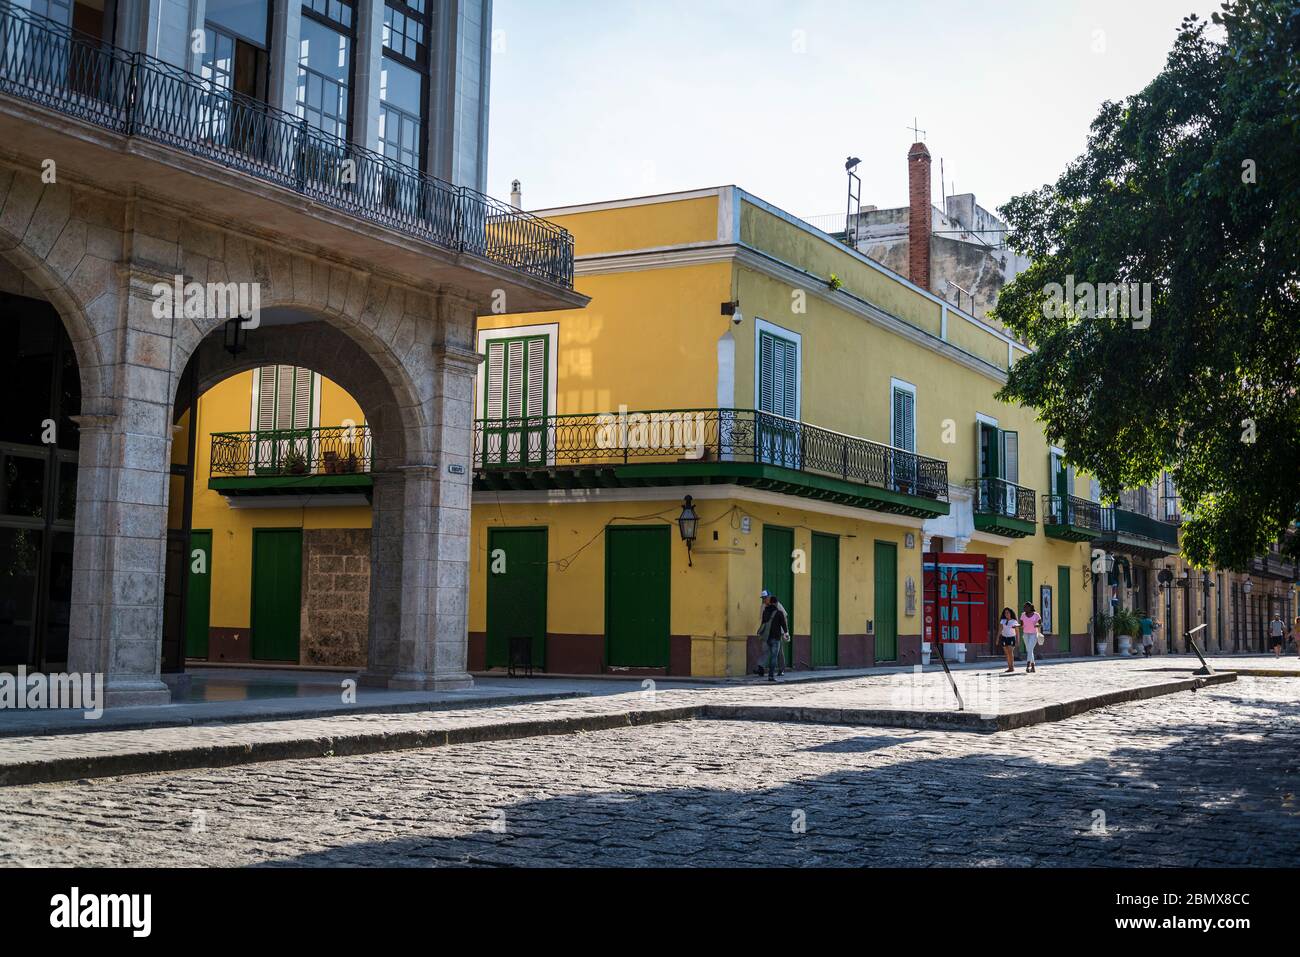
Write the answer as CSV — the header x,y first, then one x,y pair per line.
x,y
687,523
235,336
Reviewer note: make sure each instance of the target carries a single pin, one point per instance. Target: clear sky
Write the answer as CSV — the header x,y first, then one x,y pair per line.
x,y
604,99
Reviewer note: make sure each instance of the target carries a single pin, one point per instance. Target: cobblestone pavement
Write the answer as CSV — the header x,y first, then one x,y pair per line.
x,y
1205,778
986,692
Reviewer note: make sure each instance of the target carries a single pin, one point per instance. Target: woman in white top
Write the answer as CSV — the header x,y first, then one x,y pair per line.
x,y
1030,625
1007,638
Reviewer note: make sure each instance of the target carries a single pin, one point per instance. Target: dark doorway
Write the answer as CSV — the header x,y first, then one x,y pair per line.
x,y
38,494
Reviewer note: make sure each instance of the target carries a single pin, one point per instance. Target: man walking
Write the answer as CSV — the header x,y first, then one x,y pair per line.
x,y
773,631
1148,628
1276,629
780,668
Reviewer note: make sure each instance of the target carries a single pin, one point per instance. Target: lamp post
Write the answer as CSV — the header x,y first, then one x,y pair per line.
x,y
1247,587
687,524
1165,581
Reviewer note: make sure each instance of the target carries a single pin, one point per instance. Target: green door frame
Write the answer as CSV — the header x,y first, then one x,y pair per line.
x,y
885,599
825,600
780,580
254,640
1024,590
499,656
666,598
1063,607
198,602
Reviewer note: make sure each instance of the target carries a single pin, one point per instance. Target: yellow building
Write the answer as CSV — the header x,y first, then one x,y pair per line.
x,y
829,420
279,561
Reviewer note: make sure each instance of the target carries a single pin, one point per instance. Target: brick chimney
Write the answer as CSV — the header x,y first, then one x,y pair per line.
x,y
918,215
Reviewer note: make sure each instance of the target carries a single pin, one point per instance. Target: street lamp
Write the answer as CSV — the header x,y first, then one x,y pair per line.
x,y
235,336
686,524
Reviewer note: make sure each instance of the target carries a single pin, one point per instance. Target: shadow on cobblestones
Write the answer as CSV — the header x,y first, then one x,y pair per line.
x,y
1209,795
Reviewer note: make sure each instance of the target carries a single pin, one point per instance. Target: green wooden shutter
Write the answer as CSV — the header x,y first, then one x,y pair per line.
x,y
765,345
778,376
790,399
904,436
1011,457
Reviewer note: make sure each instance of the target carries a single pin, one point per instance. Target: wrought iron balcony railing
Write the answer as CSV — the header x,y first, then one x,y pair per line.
x,y
338,450
703,435
1071,510
995,496
44,62
1121,520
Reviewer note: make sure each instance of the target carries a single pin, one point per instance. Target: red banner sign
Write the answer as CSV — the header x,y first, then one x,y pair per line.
x,y
956,611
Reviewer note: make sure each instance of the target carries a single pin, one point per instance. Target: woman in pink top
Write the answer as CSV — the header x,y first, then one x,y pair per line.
x,y
1030,623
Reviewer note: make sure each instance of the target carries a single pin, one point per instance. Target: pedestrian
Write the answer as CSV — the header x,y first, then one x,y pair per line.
x,y
1276,629
1295,635
1007,638
1148,628
762,653
773,631
1031,630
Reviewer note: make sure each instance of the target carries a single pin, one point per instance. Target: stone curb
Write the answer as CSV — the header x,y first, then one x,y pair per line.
x,y
302,714
190,758
220,756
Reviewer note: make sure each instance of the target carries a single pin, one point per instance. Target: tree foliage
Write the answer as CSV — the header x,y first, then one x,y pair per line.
x,y
1191,185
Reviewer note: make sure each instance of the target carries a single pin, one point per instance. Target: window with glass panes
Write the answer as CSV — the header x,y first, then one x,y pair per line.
x,y
401,83
325,66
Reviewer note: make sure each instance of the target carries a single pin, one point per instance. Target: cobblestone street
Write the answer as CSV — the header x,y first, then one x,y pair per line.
x,y
1198,779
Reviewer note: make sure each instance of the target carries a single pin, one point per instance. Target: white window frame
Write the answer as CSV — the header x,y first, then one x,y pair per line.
x,y
552,332
761,326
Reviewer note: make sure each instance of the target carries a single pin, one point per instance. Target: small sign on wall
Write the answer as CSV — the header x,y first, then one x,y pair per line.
x,y
456,469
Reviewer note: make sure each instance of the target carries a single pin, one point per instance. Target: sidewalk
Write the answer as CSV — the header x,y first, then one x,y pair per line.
x,y
901,698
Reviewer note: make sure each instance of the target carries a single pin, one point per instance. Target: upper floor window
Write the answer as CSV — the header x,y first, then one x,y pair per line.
x,y
902,414
778,371
325,66
403,70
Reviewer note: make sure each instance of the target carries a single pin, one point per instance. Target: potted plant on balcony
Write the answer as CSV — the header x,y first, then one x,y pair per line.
x,y
1125,624
295,462
1101,624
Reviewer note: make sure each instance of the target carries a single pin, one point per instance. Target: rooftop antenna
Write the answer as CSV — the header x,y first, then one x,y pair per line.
x,y
854,201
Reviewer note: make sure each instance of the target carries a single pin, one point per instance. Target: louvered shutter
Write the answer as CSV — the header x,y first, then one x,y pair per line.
x,y
904,420
536,399
494,397
765,373
266,398
1011,457
790,381
302,394
514,379
284,397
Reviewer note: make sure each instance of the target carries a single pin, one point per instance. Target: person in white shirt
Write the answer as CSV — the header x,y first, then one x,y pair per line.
x,y
1007,638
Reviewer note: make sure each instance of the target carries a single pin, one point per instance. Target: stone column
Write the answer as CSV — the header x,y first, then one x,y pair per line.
x,y
454,367
385,577
120,554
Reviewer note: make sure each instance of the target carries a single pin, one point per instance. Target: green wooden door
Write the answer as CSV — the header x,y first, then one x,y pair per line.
x,y
637,596
825,600
886,601
1024,589
516,593
277,593
198,599
778,577
1063,606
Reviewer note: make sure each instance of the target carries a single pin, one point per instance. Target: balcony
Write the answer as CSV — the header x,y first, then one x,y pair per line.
x,y
1133,533
145,101
1070,518
706,446
330,461
1004,508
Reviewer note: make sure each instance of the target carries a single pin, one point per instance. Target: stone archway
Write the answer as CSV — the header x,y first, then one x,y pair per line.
x,y
98,259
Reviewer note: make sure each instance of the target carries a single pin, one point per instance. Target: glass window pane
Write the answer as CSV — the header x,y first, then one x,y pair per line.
x,y
24,486
248,18
399,85
20,558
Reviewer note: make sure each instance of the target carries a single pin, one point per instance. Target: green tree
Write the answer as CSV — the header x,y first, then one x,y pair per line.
x,y
1191,185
